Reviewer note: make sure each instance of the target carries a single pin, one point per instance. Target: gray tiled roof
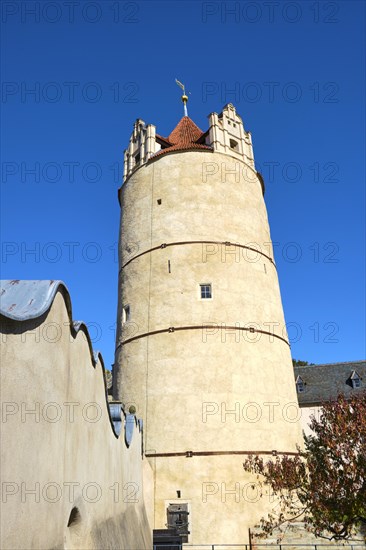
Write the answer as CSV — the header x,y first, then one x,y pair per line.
x,y
325,382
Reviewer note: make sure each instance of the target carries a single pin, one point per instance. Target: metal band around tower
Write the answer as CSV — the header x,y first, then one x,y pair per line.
x,y
200,327
190,454
181,243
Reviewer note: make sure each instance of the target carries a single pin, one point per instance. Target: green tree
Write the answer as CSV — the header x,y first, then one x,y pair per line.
x,y
299,363
325,484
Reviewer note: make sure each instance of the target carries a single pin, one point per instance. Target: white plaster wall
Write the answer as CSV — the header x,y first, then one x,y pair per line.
x,y
306,417
68,452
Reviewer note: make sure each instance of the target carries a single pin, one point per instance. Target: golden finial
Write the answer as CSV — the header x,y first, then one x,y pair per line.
x,y
184,97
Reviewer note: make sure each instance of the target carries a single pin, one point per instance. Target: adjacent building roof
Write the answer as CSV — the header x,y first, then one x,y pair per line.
x,y
325,382
23,300
185,136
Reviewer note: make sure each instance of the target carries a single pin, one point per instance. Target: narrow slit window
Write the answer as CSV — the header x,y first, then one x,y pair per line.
x,y
126,314
206,291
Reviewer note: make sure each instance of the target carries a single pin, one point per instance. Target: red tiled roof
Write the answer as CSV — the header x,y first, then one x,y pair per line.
x,y
184,137
161,138
185,132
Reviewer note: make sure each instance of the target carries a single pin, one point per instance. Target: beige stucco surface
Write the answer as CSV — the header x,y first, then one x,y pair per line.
x,y
184,383
66,455
307,413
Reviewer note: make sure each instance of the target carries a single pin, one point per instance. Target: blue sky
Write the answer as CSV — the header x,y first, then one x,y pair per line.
x,y
295,72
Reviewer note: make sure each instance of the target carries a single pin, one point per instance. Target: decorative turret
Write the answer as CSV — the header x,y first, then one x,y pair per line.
x,y
226,135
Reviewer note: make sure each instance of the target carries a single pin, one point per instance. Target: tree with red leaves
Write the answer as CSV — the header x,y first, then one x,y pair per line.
x,y
325,484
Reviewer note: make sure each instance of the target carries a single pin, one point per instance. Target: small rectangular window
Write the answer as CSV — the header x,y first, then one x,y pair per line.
x,y
234,145
206,291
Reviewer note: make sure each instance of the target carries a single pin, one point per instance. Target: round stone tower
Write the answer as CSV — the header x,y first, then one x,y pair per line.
x,y
202,351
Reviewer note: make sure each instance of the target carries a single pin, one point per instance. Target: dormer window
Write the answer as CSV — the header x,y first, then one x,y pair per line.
x,y
137,159
355,380
234,144
300,385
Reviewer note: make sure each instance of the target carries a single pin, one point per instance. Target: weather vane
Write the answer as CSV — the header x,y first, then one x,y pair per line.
x,y
184,97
